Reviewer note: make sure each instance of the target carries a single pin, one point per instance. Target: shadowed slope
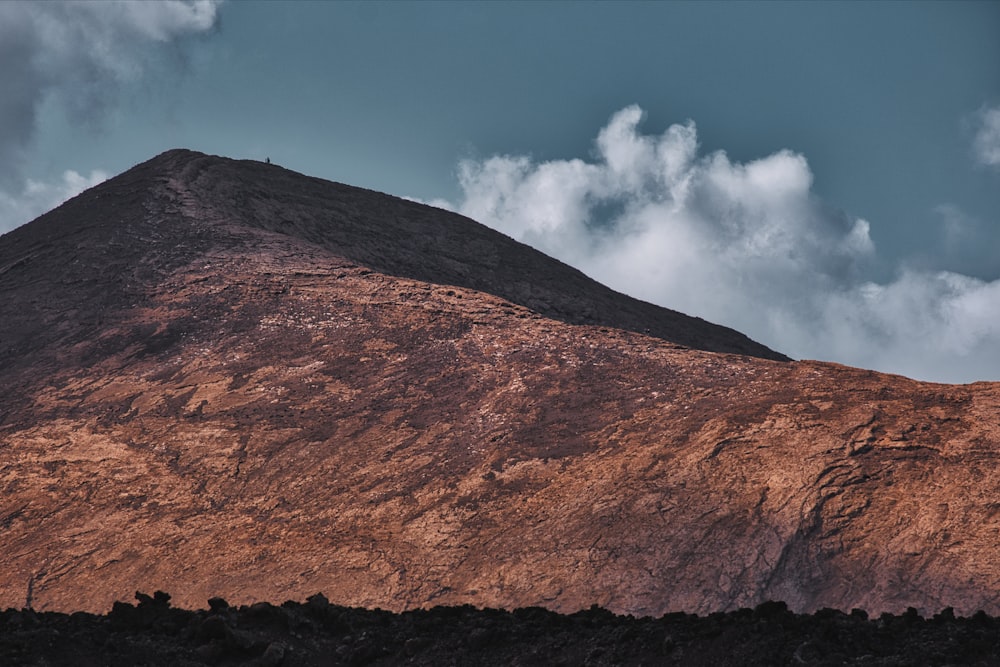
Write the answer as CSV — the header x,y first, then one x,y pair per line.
x,y
412,240
138,226
198,404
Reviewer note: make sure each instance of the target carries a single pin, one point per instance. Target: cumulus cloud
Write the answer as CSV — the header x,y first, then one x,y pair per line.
x,y
76,55
743,244
987,140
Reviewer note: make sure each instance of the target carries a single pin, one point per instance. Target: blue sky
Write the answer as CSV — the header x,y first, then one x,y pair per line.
x,y
822,176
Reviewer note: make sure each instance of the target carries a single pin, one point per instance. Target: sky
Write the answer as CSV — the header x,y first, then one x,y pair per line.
x,y
824,177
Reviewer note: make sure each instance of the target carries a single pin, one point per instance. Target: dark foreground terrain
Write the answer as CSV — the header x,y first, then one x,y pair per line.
x,y
319,633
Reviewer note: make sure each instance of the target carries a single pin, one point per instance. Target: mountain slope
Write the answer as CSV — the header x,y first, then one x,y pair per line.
x,y
209,392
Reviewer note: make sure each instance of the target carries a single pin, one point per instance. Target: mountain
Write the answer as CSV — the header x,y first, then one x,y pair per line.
x,y
223,378
164,212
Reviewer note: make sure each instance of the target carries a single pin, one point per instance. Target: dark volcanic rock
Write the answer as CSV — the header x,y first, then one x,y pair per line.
x,y
264,635
225,379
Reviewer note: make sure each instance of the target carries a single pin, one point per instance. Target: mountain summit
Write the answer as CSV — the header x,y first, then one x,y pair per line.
x,y
225,378
156,203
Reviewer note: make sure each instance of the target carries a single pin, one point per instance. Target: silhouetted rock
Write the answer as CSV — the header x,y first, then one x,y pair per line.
x,y
768,635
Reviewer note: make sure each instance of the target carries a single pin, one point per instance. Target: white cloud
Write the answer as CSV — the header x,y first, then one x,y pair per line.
x,y
37,197
930,325
987,140
76,56
744,244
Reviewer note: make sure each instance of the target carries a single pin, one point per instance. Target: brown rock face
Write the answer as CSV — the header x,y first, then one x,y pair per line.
x,y
223,378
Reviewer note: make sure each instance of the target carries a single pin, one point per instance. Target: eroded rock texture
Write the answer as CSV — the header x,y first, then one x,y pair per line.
x,y
222,378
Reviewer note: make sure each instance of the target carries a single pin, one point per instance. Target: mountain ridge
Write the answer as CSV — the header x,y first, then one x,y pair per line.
x,y
424,247
481,262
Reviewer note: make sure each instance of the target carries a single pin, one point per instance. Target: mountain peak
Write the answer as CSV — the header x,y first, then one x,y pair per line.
x,y
408,239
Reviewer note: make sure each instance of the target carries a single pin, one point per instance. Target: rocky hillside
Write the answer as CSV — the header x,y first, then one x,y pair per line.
x,y
226,379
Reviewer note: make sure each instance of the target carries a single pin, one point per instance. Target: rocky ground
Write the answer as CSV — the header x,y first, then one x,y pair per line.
x,y
319,633
221,378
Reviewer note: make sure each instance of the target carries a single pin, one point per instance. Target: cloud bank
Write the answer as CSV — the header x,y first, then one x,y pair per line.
x,y
76,56
747,245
